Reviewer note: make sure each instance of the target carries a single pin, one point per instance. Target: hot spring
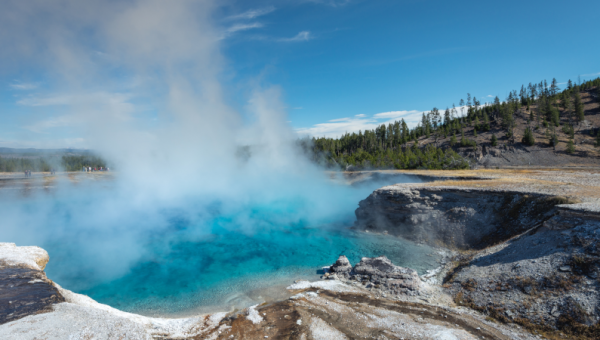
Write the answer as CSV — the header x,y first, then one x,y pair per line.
x,y
196,254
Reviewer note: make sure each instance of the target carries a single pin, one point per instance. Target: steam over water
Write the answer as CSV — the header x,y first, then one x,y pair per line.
x,y
188,222
199,256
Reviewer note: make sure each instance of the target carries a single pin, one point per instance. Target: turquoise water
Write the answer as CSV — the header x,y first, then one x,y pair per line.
x,y
219,271
195,255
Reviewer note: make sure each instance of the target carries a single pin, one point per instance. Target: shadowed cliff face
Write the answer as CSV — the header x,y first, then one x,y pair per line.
x,y
455,218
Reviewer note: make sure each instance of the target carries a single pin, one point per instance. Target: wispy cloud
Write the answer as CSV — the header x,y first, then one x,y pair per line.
x,y
337,127
332,3
90,107
45,101
302,36
42,125
253,13
243,27
395,114
591,74
24,86
79,143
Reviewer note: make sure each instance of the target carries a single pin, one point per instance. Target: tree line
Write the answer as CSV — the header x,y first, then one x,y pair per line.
x,y
395,145
41,164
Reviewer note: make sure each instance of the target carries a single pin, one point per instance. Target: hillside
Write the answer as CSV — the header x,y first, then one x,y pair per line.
x,y
511,152
563,125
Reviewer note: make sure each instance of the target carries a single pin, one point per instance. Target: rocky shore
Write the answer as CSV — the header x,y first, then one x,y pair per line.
x,y
522,263
526,255
373,299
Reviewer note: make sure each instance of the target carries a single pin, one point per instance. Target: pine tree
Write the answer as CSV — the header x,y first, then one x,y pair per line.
x,y
528,137
494,140
453,140
554,141
474,132
578,105
554,87
486,122
570,147
554,115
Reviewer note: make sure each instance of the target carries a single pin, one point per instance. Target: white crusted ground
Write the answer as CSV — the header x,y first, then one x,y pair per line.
x,y
320,330
331,285
252,315
80,317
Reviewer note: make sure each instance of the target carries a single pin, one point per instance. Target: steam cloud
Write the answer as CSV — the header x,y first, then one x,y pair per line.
x,y
140,80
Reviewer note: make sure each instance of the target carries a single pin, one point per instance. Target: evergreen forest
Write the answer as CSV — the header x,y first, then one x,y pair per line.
x,y
37,164
434,142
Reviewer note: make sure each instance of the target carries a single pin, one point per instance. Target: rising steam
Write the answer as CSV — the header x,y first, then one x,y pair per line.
x,y
140,82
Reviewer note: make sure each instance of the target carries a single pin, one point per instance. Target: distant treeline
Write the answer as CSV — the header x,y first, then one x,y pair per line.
x,y
76,163
396,146
65,163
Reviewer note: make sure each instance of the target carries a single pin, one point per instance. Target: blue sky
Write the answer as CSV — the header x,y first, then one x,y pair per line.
x,y
340,65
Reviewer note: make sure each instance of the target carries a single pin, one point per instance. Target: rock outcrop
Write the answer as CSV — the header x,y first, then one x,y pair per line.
x,y
378,273
24,287
467,219
34,307
342,265
527,259
546,279
30,257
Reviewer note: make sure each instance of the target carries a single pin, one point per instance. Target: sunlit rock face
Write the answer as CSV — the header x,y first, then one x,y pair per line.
x,y
381,269
342,265
31,257
455,218
380,275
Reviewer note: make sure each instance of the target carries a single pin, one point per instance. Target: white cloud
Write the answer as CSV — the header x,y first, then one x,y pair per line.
x,y
302,36
85,109
42,125
490,96
47,101
395,114
243,27
337,127
24,86
591,74
59,143
332,3
253,13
